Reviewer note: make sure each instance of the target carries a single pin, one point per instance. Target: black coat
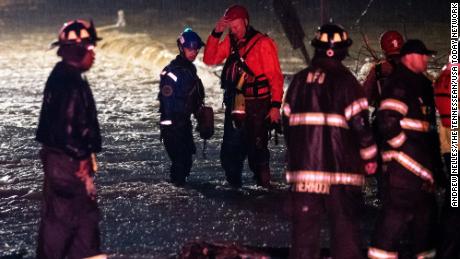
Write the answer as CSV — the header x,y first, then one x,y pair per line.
x,y
325,119
181,91
68,118
407,123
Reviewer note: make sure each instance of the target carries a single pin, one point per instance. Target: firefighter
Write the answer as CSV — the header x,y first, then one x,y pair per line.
x,y
412,162
69,132
449,245
253,90
390,43
181,94
330,148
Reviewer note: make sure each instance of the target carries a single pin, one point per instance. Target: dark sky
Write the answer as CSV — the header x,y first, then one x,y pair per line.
x,y
342,10
425,19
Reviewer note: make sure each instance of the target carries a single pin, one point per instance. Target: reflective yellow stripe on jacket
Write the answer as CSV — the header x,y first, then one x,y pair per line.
x,y
356,107
318,119
375,253
415,125
409,163
394,105
324,177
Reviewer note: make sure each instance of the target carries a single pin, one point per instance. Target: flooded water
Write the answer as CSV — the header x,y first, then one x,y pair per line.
x,y
143,215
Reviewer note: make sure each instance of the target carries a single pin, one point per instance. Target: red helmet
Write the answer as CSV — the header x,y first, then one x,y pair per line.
x,y
391,42
235,12
77,32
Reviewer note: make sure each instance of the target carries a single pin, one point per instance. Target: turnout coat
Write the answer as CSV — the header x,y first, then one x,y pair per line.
x,y
325,119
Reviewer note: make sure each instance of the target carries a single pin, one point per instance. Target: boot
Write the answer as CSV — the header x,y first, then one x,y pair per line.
x,y
234,179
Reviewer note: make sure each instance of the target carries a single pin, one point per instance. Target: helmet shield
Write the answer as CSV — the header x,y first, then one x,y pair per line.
x,y
331,36
77,32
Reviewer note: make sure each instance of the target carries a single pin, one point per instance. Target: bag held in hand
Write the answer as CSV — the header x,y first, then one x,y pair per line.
x,y
205,118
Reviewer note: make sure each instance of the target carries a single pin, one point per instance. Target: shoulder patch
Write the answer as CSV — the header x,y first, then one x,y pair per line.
x,y
167,90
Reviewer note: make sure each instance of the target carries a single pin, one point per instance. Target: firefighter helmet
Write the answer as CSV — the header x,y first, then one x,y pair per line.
x,y
77,32
331,36
189,39
391,42
235,12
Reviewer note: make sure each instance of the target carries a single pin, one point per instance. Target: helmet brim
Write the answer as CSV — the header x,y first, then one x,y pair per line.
x,y
60,43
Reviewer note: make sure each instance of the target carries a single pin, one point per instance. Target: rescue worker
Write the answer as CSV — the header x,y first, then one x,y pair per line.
x,y
449,238
69,132
250,56
181,94
407,123
390,43
330,149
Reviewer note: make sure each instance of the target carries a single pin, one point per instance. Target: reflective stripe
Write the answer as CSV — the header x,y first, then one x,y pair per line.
x,y
375,253
239,112
356,107
172,76
305,176
316,118
72,35
166,122
163,72
398,140
409,163
427,254
84,34
369,152
413,124
101,256
286,109
394,105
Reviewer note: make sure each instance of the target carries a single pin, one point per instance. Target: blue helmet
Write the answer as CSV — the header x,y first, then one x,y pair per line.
x,y
189,39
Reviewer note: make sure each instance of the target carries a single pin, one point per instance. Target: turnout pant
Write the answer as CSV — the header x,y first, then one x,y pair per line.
x,y
178,142
342,206
251,140
405,210
69,218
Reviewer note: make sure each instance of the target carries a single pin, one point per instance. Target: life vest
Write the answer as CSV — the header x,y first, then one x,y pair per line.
x,y
442,96
255,85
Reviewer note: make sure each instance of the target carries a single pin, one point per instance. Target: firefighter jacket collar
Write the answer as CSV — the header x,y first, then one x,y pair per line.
x,y
410,74
414,81
181,61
